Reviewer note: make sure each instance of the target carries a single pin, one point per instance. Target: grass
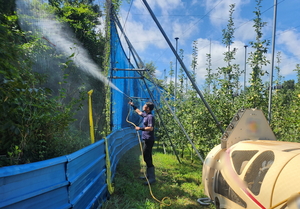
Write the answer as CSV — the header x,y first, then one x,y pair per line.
x,y
181,183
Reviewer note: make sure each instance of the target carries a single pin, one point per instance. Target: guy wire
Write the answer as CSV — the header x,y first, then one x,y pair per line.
x,y
150,189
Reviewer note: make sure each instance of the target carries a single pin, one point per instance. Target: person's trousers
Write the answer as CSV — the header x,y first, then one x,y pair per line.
x,y
147,152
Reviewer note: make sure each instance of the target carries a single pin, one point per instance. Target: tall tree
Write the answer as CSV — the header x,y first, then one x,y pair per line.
x,y
194,59
230,72
297,69
257,60
209,75
279,77
181,76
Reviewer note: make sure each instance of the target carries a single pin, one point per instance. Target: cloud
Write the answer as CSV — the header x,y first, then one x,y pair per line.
x,y
219,10
217,58
168,5
286,65
290,40
184,30
142,32
141,36
165,6
217,50
158,74
245,31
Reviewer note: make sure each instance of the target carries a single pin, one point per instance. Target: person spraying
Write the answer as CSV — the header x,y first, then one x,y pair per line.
x,y
147,137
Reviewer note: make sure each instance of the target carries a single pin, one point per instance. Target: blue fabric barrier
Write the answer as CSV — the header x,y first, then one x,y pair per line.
x,y
77,180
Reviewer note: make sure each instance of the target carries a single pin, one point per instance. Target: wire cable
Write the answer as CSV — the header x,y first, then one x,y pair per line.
x,y
161,202
128,13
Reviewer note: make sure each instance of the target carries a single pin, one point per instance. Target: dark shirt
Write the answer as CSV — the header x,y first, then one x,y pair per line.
x,y
148,121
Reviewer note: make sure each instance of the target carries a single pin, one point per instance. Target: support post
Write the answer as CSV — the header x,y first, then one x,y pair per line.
x,y
245,68
272,64
175,88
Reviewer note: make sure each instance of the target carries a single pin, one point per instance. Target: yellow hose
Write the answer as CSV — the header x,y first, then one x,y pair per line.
x,y
161,202
91,117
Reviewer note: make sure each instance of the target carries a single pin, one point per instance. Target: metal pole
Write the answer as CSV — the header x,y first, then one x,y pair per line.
x,y
245,68
175,88
209,63
183,66
272,65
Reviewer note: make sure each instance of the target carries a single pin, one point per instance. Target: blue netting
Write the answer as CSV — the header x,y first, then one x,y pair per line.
x,y
131,87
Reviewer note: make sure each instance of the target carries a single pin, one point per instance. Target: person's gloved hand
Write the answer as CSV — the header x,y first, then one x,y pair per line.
x,y
132,105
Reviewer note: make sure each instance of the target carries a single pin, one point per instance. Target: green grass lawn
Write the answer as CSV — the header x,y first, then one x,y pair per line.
x,y
180,182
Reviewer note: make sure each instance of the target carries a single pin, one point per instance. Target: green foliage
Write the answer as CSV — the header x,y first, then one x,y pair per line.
x,y
194,59
285,112
228,33
256,60
151,68
298,72
229,83
42,93
210,76
31,119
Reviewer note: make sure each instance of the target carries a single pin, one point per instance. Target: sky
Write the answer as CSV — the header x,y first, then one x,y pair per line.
x,y
203,21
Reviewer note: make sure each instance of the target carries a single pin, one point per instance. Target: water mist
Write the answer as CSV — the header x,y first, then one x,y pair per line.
x,y
35,19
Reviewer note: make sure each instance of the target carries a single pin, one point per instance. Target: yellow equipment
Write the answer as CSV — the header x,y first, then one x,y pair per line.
x,y
250,169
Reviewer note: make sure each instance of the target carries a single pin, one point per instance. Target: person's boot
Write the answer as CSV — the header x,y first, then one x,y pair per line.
x,y
151,175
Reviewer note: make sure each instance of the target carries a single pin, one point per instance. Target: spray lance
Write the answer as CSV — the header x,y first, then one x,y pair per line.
x,y
130,98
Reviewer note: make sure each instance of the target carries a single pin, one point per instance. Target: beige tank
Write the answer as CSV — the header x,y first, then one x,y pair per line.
x,y
250,169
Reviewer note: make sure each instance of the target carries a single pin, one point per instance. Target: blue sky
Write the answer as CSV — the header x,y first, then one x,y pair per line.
x,y
203,21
